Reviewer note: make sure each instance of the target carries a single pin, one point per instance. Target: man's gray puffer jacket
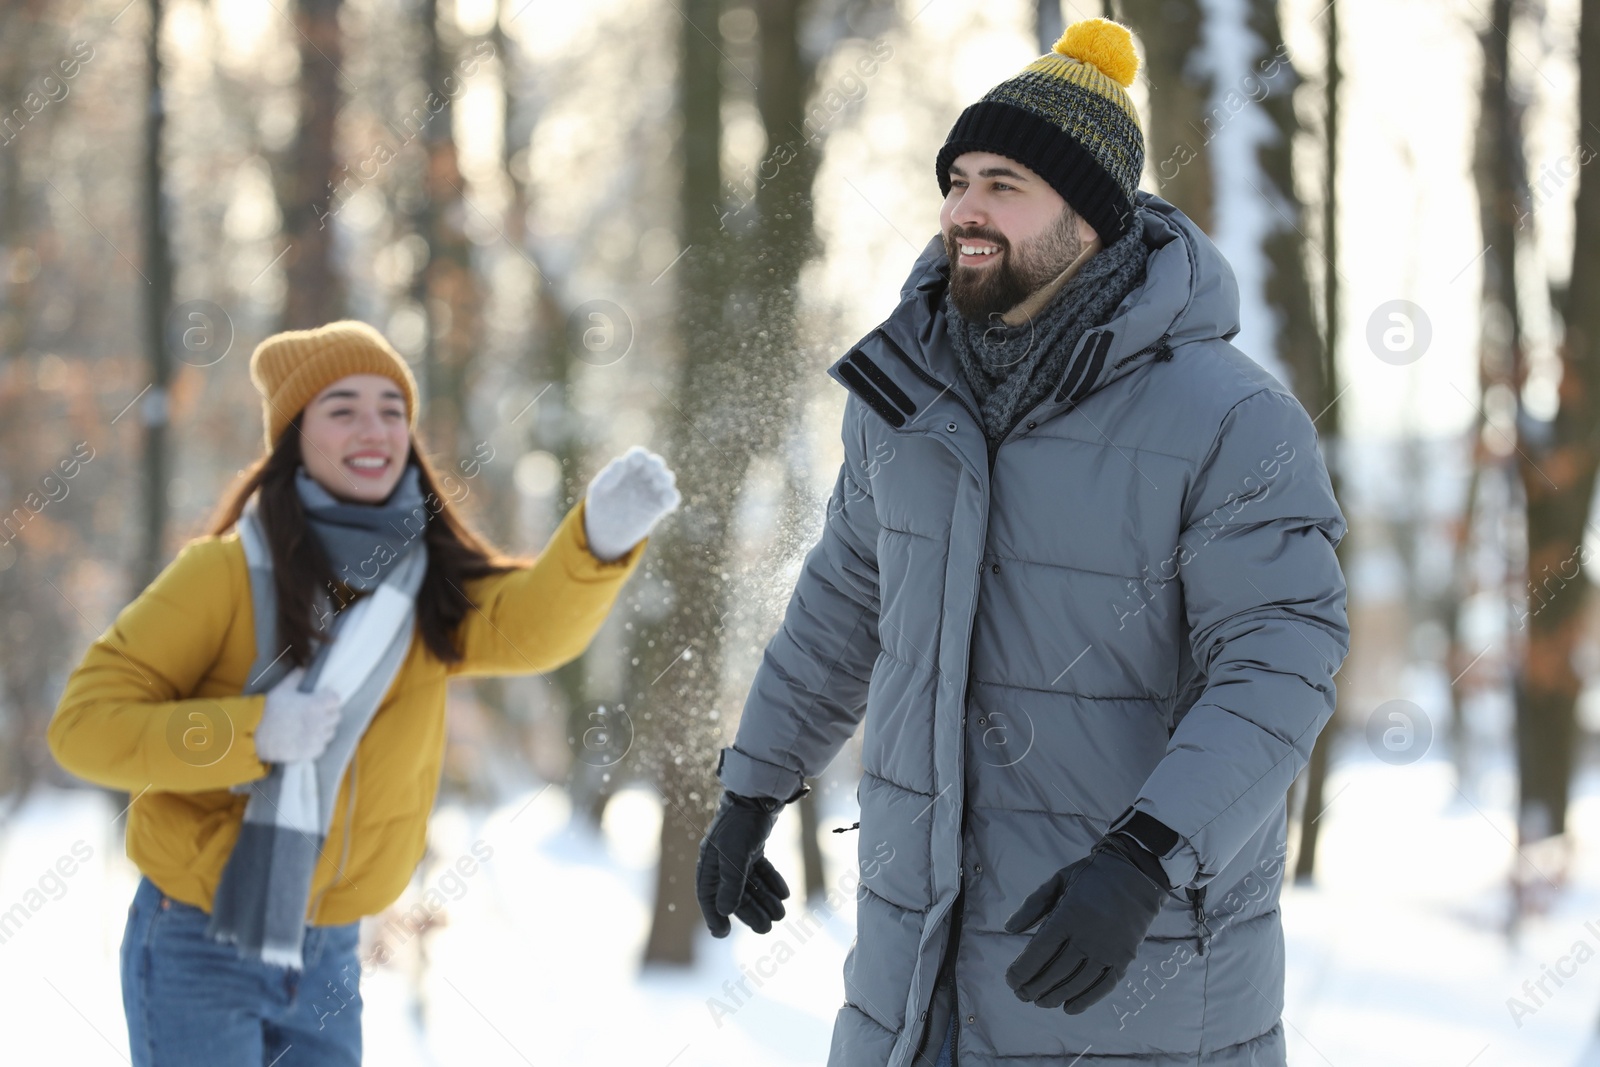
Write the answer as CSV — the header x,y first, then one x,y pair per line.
x,y
1133,604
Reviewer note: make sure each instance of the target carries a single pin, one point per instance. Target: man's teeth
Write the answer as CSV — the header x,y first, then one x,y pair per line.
x,y
979,250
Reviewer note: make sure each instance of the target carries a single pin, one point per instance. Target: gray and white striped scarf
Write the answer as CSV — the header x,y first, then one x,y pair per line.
x,y
264,894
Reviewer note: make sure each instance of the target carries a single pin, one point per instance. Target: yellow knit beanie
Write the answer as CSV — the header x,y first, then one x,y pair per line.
x,y
292,367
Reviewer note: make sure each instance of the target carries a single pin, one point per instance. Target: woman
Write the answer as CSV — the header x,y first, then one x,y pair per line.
x,y
274,701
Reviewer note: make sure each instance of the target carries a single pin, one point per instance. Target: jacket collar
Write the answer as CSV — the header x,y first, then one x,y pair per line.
x,y
1189,294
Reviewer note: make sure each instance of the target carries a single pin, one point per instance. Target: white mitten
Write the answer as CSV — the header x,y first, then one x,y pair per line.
x,y
626,499
296,725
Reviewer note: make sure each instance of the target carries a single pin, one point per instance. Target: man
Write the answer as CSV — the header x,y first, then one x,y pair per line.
x,y
1078,574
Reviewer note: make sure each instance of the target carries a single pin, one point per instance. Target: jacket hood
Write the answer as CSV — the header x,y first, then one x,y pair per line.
x,y
1189,294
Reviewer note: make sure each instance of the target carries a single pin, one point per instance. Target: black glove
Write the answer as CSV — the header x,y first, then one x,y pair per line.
x,y
1096,912
733,877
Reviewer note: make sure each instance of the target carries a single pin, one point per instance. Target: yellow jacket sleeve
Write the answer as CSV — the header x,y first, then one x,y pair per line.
x,y
537,618
129,718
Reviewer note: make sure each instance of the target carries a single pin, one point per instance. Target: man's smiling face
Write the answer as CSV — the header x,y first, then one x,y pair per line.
x,y
1007,233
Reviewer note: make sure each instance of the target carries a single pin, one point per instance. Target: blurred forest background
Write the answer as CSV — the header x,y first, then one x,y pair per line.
x,y
593,225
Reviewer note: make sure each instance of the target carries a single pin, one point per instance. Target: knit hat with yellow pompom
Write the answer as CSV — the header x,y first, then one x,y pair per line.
x,y
1068,118
290,368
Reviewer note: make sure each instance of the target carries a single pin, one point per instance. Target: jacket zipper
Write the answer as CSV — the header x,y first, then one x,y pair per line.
x,y
1202,929
955,933
961,890
960,911
1160,342
961,769
947,968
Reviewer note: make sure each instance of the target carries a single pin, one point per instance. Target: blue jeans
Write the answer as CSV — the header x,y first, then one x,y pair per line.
x,y
192,1001
947,1050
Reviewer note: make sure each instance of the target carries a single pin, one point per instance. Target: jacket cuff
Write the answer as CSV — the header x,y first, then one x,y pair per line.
x,y
1141,857
1178,858
588,565
753,777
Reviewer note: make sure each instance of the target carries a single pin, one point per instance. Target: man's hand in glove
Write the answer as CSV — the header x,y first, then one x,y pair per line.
x,y
733,877
1096,912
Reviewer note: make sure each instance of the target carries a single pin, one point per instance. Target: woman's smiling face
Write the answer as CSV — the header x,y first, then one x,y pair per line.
x,y
354,438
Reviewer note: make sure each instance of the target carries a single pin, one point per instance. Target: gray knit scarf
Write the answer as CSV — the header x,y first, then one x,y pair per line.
x,y
263,896
1012,368
362,541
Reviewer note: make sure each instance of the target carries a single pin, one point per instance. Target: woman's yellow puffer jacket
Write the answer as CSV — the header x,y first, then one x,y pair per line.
x,y
175,660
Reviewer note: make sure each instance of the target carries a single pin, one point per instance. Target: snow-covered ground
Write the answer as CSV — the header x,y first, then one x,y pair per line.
x,y
1398,956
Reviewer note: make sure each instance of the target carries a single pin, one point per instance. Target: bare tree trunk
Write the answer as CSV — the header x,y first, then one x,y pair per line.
x,y
1500,177
681,653
590,784
1558,470
734,398
1288,284
1048,23
446,288
157,303
1329,427
1459,658
785,241
305,185
1182,124
22,670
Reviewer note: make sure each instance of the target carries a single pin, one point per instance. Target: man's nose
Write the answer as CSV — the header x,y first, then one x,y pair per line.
x,y
969,211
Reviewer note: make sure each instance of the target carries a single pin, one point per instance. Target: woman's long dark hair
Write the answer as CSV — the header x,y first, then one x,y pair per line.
x,y
456,553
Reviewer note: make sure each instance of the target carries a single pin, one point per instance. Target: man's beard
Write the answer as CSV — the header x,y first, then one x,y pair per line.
x,y
986,292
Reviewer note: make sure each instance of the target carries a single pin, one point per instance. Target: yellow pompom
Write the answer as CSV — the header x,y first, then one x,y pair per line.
x,y
1104,44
